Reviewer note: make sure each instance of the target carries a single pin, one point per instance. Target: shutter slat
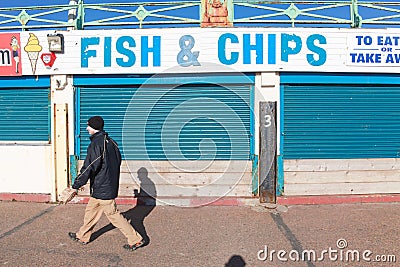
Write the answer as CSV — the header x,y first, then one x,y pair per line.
x,y
187,122
341,122
24,114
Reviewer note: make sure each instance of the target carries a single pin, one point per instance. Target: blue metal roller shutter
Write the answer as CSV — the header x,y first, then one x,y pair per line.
x,y
218,118
346,121
24,109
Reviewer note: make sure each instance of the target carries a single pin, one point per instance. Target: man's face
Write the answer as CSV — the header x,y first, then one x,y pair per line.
x,y
90,130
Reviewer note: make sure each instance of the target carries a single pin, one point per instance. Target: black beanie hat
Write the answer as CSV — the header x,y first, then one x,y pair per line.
x,y
96,122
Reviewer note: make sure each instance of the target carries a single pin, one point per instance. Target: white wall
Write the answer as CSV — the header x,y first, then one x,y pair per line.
x,y
26,169
29,167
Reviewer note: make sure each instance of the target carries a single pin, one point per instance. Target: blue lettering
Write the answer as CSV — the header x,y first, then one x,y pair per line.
x,y
234,56
370,58
85,52
359,39
316,49
367,40
366,58
360,58
286,50
131,58
393,58
247,47
388,41
378,58
389,58
107,52
271,48
156,50
380,40
186,57
353,57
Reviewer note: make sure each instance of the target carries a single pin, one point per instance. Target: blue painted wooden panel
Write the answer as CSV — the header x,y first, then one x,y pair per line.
x,y
341,121
162,122
25,82
24,114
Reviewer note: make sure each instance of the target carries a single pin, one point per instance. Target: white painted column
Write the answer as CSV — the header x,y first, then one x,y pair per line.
x,y
62,103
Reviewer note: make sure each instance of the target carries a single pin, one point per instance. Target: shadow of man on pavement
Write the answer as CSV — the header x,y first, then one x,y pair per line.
x,y
146,202
236,261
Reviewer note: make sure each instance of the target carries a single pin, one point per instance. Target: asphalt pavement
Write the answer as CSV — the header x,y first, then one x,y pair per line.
x,y
36,234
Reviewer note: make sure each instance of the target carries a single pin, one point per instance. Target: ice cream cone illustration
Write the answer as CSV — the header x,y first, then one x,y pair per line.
x,y
33,48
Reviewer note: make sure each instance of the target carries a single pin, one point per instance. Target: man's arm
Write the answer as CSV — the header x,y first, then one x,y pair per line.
x,y
91,165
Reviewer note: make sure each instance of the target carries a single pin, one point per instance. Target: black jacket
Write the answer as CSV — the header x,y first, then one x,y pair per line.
x,y
101,166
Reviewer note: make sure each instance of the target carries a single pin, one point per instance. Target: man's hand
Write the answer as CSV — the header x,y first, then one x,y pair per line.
x,y
67,195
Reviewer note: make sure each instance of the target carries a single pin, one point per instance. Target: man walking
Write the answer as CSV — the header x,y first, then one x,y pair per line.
x,y
102,167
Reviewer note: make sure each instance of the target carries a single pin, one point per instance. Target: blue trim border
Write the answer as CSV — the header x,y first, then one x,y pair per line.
x,y
24,82
280,169
77,122
253,155
222,78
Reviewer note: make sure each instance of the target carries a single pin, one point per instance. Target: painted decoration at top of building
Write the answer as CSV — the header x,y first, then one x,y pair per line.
x,y
215,13
10,54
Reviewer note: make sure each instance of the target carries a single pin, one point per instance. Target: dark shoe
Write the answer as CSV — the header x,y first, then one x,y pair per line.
x,y
135,246
73,237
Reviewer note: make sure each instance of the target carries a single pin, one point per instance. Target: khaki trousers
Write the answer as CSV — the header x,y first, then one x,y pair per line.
x,y
93,212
